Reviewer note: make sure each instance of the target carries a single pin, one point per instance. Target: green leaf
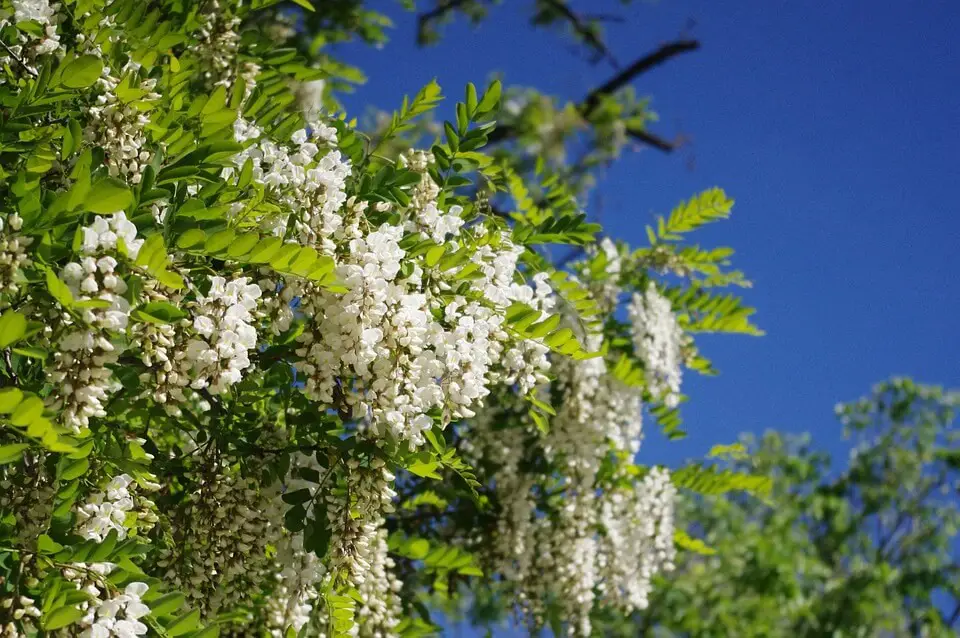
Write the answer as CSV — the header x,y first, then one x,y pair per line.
x,y
153,253
296,497
284,256
305,4
434,254
13,326
82,72
710,480
167,604
490,99
243,245
170,279
61,617
265,250
417,548
453,140
191,238
105,549
109,195
59,290
185,623
733,451
471,99
46,545
32,352
28,411
12,453
75,469
424,469
10,398
684,541
159,312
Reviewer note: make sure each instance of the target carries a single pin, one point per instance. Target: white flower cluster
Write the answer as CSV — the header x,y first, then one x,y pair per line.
x,y
108,613
223,320
597,413
638,523
407,344
512,550
296,595
309,182
43,13
299,572
111,510
118,127
19,608
379,614
27,491
427,217
80,374
218,45
355,514
13,253
604,538
219,551
657,340
526,362
567,560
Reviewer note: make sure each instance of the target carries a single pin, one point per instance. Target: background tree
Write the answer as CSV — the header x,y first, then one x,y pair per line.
x,y
868,549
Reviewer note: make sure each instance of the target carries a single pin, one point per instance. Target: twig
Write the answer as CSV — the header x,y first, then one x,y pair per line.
x,y
425,18
582,29
617,82
6,359
653,140
639,67
603,17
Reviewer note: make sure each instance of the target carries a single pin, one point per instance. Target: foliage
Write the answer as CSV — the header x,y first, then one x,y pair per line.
x,y
265,373
868,549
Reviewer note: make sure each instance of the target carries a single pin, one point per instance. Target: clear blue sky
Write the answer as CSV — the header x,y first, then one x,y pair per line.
x,y
834,125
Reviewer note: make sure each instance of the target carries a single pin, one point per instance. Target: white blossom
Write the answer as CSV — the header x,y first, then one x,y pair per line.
x,y
657,340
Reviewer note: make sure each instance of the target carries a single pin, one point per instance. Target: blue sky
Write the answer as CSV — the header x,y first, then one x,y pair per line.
x,y
835,126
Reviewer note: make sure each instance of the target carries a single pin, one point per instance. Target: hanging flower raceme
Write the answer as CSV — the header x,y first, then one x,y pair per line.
x,y
657,338
80,374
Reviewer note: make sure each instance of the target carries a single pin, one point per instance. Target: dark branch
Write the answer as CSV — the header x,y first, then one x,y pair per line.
x,y
638,68
583,30
602,17
425,18
617,82
9,363
655,141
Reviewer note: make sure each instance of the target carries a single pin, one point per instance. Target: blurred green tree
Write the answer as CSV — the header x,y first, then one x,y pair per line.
x,y
866,550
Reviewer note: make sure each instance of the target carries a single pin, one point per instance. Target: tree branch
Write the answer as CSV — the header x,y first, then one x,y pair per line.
x,y
638,68
583,30
655,141
424,19
617,82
